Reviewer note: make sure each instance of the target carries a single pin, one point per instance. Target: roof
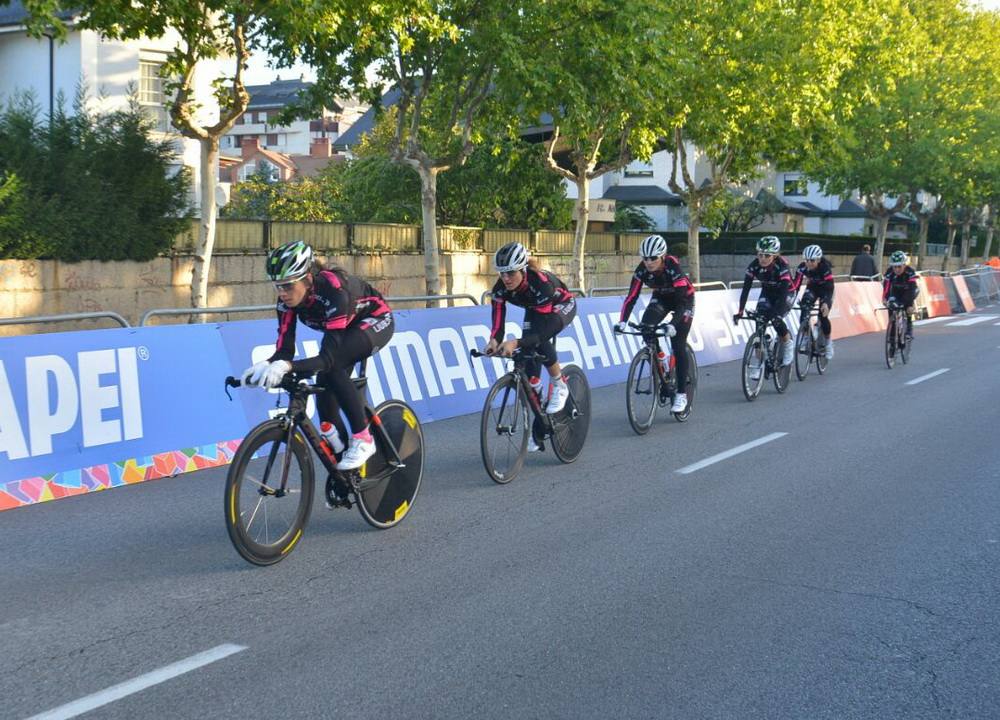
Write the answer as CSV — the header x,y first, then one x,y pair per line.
x,y
276,94
641,195
16,14
849,208
308,166
364,124
802,208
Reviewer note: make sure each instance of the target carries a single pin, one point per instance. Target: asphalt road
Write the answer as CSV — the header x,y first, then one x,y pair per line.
x,y
848,569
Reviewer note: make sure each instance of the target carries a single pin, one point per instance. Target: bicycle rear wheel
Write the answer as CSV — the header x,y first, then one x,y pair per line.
x,y
803,351
692,385
265,522
384,503
503,430
753,361
642,392
571,424
890,342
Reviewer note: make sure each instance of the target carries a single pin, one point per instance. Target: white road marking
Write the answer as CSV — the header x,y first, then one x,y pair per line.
x,y
130,687
729,453
928,321
928,376
972,320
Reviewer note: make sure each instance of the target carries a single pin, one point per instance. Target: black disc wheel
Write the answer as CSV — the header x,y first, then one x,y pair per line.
x,y
804,347
752,370
571,424
503,430
388,487
890,343
782,373
642,392
269,493
692,386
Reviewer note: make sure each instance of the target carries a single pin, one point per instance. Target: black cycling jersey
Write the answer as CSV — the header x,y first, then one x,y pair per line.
x,y
539,291
671,286
903,287
819,279
336,302
775,280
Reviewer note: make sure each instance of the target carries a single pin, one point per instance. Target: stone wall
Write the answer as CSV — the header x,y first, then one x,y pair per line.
x,y
51,287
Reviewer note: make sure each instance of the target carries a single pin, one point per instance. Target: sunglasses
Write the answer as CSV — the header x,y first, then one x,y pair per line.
x,y
509,273
285,286
765,255
651,258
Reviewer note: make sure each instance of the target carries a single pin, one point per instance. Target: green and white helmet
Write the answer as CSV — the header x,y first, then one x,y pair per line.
x,y
898,257
769,244
291,261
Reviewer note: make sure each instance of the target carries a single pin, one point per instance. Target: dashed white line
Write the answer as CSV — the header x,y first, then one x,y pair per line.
x,y
928,321
928,376
972,320
729,453
130,687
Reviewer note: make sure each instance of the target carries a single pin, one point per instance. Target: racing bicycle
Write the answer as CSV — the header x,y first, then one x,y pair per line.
x,y
896,342
762,357
504,428
652,382
810,343
270,485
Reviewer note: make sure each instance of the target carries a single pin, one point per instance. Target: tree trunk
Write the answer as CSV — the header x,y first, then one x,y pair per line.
x,y
952,231
428,207
206,229
881,228
966,233
989,241
925,223
580,234
694,240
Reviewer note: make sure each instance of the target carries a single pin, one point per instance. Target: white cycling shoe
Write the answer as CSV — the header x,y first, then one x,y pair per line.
x,y
532,445
357,454
788,352
558,397
680,403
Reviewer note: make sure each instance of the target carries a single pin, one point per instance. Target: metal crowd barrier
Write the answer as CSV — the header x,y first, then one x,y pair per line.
x,y
576,291
66,318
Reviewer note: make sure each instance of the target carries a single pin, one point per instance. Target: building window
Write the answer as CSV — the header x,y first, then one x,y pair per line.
x,y
272,139
795,186
151,94
639,169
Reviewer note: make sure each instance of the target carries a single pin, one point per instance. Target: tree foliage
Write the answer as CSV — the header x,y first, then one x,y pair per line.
x,y
86,186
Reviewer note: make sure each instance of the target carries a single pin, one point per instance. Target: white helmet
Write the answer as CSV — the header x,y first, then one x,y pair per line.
x,y
653,246
812,252
512,256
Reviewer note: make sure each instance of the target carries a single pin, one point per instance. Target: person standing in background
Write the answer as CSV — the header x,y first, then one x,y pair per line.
x,y
863,263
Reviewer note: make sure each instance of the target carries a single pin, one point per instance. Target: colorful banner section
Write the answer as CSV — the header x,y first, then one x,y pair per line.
x,y
86,411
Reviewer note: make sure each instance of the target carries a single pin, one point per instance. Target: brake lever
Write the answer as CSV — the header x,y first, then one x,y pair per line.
x,y
231,382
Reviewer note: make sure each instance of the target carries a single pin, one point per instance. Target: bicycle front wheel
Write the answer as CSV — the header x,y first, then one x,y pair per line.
x,y
803,351
269,493
571,424
386,501
782,373
904,344
642,392
753,364
821,360
890,343
503,430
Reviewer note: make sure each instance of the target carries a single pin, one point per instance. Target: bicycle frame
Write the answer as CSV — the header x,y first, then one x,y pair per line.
x,y
649,334
761,324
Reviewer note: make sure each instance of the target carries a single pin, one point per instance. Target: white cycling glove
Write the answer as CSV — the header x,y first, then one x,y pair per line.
x,y
275,373
253,375
620,327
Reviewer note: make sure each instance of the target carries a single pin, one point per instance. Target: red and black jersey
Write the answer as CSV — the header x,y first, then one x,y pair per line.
x,y
819,280
903,285
671,286
336,302
775,279
540,292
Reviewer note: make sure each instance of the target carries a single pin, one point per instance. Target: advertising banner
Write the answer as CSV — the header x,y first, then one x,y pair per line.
x,y
85,411
964,296
933,295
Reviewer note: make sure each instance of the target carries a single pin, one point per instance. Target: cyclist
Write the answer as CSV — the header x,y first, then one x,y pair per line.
x,y
899,286
818,275
775,279
355,321
548,307
672,291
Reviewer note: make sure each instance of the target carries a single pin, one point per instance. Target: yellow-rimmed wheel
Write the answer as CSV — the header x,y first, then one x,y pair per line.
x,y
269,493
387,489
